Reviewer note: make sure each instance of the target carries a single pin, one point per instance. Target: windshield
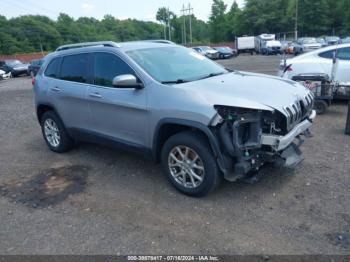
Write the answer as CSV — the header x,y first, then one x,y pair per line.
x,y
175,64
13,62
205,48
310,41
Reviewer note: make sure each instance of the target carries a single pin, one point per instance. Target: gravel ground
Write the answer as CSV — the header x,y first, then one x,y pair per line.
x,y
95,200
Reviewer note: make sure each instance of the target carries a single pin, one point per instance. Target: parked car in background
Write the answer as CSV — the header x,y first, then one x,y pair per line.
x,y
322,41
4,75
291,47
14,67
322,62
345,40
332,40
207,51
225,52
34,67
309,44
203,122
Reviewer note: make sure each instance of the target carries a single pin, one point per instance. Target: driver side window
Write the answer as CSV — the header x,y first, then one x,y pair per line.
x,y
107,66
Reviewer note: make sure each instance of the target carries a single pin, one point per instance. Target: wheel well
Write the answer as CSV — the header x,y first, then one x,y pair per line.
x,y
168,130
42,109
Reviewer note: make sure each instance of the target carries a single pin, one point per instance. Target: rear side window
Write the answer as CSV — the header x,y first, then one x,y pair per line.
x,y
53,68
107,66
75,68
344,53
328,54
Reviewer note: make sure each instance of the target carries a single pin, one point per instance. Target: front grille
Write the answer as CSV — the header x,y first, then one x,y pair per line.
x,y
299,110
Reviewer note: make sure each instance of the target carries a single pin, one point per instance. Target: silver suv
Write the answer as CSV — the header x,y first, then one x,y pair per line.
x,y
202,121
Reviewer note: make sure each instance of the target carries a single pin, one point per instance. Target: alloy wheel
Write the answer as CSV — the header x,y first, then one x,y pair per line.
x,y
52,132
186,167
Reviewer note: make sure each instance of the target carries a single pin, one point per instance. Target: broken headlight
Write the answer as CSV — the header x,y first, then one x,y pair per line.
x,y
242,128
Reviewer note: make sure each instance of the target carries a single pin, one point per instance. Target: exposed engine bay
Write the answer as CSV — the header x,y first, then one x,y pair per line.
x,y
251,138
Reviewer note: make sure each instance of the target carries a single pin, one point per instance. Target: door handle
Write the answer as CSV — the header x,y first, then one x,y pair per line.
x,y
95,95
56,89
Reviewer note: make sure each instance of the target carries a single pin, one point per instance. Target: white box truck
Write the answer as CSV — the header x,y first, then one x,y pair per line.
x,y
245,44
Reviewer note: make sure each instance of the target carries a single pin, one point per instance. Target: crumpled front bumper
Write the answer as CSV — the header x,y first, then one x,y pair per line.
x,y
279,143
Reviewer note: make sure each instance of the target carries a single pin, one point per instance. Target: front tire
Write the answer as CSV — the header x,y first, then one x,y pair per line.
x,y
189,164
55,134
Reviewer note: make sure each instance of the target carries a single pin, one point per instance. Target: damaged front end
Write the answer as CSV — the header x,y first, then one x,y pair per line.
x,y
251,138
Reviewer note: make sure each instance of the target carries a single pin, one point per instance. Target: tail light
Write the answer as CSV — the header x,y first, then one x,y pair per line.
x,y
33,81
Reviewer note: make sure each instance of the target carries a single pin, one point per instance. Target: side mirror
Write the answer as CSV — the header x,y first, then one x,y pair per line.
x,y
127,81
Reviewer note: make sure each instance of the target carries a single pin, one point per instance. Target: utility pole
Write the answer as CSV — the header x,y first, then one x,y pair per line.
x,y
296,19
190,10
186,12
169,24
184,34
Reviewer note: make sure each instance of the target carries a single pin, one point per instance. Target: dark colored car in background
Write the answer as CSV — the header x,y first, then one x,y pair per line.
x,y
15,67
225,52
34,67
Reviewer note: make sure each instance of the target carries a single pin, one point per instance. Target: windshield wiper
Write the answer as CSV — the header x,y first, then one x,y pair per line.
x,y
211,75
178,81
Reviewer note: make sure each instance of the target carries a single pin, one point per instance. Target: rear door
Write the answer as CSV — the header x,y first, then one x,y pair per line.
x,y
117,113
68,91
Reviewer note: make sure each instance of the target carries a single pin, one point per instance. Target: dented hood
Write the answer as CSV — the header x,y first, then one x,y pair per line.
x,y
248,90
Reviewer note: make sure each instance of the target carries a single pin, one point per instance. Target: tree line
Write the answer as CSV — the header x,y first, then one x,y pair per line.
x,y
315,18
33,33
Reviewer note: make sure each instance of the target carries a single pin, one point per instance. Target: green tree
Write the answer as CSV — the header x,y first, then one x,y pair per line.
x,y
217,21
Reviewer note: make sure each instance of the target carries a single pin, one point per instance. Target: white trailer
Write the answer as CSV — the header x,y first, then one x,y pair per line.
x,y
245,44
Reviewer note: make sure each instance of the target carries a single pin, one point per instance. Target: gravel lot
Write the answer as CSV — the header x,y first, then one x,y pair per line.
x,y
103,201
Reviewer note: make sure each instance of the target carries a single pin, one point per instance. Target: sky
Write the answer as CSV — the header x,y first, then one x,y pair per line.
x,y
121,9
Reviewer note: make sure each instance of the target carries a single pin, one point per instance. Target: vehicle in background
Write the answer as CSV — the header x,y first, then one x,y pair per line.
x,y
4,75
332,40
333,61
207,51
345,40
321,41
267,44
14,67
291,47
34,67
245,44
296,48
225,52
203,122
309,44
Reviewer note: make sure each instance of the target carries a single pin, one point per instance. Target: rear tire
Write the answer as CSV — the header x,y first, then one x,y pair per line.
x,y
179,169
55,134
321,107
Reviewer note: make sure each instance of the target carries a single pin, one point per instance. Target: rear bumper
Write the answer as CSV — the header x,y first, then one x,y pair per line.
x,y
280,143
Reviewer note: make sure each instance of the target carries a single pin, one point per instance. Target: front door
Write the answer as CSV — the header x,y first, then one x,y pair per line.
x,y
342,72
117,113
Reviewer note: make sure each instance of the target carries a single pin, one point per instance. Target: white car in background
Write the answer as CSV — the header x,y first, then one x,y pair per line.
x,y
207,51
333,61
4,75
309,43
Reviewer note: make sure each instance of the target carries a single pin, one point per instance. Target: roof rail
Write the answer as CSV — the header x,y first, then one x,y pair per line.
x,y
160,41
87,44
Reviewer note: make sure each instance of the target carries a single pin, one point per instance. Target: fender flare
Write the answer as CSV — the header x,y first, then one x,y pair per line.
x,y
213,141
